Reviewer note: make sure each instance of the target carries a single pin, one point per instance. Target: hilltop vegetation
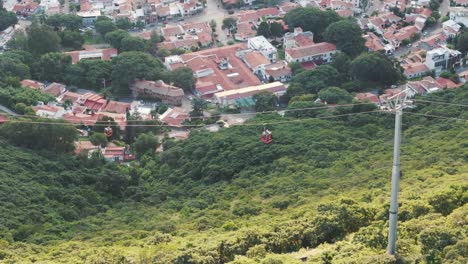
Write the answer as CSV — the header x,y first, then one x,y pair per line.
x,y
225,196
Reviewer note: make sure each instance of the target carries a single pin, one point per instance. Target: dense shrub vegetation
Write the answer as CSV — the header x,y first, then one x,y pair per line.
x,y
220,197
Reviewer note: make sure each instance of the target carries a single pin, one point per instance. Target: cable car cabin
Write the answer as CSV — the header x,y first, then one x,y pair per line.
x,y
108,132
267,137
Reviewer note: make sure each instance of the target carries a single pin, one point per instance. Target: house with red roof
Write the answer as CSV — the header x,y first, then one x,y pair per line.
x,y
232,96
3,119
91,53
373,43
55,89
318,53
49,111
279,71
117,107
168,94
447,83
219,69
255,60
32,84
413,70
174,117
298,38
117,154
367,97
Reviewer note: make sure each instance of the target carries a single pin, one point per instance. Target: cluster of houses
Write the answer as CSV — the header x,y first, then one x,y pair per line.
x,y
186,36
152,11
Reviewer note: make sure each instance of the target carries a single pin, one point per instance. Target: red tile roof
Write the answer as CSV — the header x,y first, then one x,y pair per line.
x,y
204,38
206,61
414,68
367,96
311,50
70,95
116,107
32,84
174,116
54,89
103,54
255,59
3,119
447,83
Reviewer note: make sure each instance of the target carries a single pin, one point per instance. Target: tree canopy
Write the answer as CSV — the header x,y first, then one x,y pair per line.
x,y
375,67
183,77
265,101
129,66
311,19
42,39
7,19
346,34
313,81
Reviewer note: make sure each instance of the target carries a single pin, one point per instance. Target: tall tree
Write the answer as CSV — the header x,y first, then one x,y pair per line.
x,y
104,25
115,38
42,39
462,42
213,25
129,66
183,77
276,29
374,67
7,19
132,44
311,19
71,39
264,30
198,105
145,144
342,63
123,23
53,66
346,34
229,24
317,79
335,95
265,101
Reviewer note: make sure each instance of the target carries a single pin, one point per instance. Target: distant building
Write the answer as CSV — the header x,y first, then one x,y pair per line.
x,y
451,28
298,38
459,15
443,58
158,89
318,53
413,70
174,117
279,71
32,84
231,97
89,17
261,44
92,53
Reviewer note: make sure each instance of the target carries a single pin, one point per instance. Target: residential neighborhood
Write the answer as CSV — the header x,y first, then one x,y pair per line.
x,y
231,54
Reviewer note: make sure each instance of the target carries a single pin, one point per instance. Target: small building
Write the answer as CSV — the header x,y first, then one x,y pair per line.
x,y
413,70
230,97
298,38
49,111
261,44
318,53
451,28
367,97
91,53
279,71
174,117
3,119
158,89
443,58
117,107
459,15
55,89
32,84
89,17
117,154
255,60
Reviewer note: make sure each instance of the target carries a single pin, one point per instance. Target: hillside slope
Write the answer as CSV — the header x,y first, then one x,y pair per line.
x,y
221,197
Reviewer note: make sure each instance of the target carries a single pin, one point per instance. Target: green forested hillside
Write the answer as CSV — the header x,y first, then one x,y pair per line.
x,y
226,197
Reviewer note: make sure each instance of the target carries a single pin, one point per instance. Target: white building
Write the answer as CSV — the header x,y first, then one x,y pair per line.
x,y
261,44
459,15
297,38
442,58
451,28
318,53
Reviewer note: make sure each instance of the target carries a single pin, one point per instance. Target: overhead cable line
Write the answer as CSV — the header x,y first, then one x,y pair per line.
x,y
202,125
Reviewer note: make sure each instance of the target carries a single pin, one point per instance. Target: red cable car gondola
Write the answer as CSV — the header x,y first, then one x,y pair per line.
x,y
267,136
108,131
